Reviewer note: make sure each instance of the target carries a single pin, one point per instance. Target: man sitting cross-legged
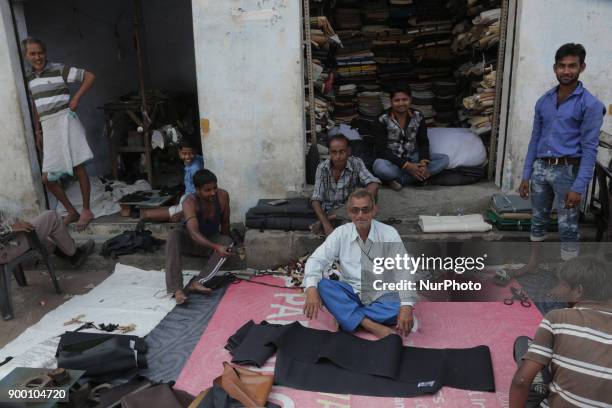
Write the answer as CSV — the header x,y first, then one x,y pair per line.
x,y
336,178
351,299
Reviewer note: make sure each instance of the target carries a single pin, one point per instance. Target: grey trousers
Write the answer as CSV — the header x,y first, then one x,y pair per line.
x,y
180,243
50,230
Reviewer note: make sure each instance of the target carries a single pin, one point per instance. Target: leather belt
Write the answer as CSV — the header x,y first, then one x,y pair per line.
x,y
561,161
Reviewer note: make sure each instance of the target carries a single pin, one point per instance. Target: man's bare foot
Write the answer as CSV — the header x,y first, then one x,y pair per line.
x,y
197,287
377,329
84,220
71,217
180,297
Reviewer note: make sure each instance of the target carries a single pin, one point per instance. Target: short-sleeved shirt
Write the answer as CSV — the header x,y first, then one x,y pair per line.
x,y
196,165
333,194
49,88
577,344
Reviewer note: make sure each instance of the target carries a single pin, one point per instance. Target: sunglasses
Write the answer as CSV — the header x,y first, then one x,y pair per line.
x,y
363,210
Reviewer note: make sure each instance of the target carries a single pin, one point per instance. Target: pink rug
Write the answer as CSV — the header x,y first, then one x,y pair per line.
x,y
441,325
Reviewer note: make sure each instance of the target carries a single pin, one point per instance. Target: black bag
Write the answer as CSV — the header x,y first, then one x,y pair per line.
x,y
312,162
295,215
459,176
130,242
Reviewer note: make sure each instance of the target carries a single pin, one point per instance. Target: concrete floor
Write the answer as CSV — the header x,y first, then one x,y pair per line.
x,y
32,302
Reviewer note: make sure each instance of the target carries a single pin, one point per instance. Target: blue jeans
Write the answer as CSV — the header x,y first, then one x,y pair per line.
x,y
344,304
551,184
387,171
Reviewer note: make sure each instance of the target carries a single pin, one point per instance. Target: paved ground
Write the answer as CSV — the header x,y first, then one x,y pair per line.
x,y
32,302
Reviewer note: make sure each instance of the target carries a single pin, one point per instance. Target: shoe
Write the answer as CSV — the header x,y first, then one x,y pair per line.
x,y
82,253
395,185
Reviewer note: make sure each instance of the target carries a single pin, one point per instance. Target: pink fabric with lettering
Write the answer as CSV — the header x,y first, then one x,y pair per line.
x,y
441,325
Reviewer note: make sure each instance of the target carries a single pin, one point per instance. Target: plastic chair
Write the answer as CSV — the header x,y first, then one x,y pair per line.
x,y
14,266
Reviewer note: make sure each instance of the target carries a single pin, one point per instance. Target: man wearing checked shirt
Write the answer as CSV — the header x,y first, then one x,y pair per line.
x,y
562,152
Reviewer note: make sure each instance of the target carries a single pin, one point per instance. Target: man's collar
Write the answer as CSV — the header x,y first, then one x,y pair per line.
x,y
579,89
349,164
30,69
355,234
601,306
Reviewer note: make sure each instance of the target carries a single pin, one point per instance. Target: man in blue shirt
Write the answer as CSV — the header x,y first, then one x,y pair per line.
x,y
562,151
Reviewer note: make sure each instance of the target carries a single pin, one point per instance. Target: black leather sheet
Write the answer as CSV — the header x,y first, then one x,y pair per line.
x,y
323,361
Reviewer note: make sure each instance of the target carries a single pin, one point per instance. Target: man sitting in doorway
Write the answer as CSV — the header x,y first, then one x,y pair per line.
x,y
50,230
573,343
193,163
205,230
59,132
352,304
402,144
335,179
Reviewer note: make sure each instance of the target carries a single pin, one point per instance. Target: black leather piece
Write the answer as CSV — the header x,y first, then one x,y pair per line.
x,y
239,336
296,206
284,223
323,361
258,344
103,357
79,341
458,176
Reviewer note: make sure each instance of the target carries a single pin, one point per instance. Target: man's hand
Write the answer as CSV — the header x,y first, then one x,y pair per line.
x,y
524,189
313,303
572,199
39,141
22,226
405,320
414,170
74,102
222,250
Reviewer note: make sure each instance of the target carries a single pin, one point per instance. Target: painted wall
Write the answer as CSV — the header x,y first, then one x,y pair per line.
x,y
540,32
250,89
98,36
19,175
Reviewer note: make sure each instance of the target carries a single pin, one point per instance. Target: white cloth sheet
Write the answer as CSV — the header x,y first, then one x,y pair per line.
x,y
453,223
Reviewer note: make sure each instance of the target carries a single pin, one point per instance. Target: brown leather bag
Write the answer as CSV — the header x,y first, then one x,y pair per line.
x,y
248,387
157,396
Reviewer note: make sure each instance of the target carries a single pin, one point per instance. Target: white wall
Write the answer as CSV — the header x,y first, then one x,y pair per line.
x,y
19,176
250,88
543,26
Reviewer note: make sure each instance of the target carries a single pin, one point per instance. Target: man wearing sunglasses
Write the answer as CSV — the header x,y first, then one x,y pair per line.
x,y
351,299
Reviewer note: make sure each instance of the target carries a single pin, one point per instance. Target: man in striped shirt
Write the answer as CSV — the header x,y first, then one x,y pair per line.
x,y
59,133
575,343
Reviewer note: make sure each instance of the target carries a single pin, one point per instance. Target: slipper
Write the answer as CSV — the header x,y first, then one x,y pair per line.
x,y
502,278
521,345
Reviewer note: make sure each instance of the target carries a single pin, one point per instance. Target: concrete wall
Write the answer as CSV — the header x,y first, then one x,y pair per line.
x,y
250,90
19,175
97,36
544,25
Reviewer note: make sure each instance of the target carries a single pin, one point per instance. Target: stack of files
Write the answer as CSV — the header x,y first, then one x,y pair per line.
x,y
445,102
348,18
370,104
512,213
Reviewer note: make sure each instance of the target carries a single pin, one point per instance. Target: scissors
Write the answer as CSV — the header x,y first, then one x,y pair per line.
x,y
518,294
